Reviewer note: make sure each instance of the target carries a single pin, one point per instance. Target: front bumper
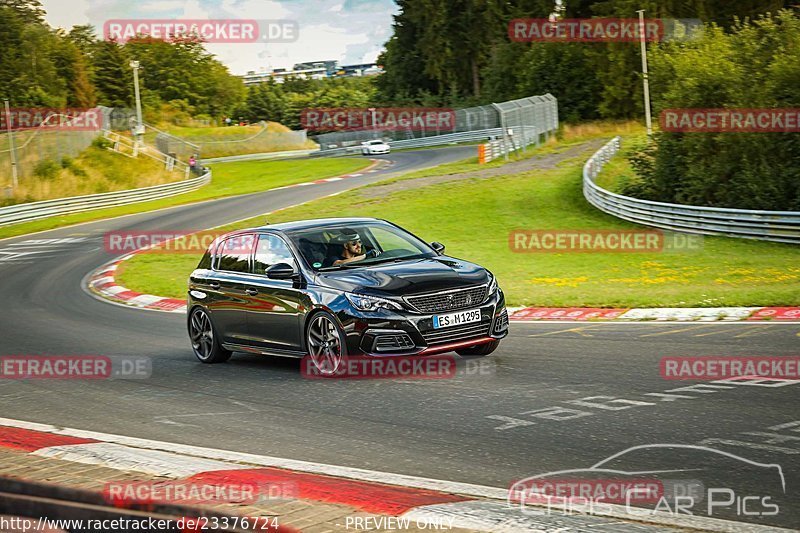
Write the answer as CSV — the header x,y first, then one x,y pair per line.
x,y
391,333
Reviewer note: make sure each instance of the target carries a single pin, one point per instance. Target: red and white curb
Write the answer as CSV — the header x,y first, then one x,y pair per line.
x,y
676,314
102,282
413,500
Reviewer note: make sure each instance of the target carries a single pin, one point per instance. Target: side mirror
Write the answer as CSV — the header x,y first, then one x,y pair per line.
x,y
280,271
439,247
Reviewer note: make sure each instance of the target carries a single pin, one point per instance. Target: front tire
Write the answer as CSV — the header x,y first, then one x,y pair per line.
x,y
205,342
480,350
326,343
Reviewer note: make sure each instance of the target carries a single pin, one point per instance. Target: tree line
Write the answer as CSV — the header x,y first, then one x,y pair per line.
x,y
180,81
746,55
457,53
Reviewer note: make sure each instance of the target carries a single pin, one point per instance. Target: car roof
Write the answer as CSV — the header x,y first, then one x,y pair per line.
x,y
317,223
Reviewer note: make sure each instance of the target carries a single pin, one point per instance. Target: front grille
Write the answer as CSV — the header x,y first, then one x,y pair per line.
x,y
449,300
456,333
501,322
385,343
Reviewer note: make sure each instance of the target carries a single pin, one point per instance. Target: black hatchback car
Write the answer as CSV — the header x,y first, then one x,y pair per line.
x,y
333,288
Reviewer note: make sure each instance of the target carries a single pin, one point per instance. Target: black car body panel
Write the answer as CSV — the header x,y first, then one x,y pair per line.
x,y
253,312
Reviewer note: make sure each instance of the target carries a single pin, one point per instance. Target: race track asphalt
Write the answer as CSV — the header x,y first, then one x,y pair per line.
x,y
554,396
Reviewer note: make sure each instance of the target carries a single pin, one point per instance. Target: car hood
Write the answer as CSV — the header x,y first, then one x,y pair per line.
x,y
406,277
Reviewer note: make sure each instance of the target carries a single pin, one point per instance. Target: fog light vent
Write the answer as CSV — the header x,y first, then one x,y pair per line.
x,y
387,343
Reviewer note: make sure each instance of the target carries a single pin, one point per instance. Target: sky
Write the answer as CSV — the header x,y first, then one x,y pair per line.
x,y
350,31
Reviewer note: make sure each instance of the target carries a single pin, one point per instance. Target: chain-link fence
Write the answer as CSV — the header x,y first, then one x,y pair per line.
x,y
166,143
29,149
523,121
37,154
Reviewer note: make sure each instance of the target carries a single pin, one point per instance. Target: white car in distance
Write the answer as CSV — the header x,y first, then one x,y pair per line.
x,y
374,147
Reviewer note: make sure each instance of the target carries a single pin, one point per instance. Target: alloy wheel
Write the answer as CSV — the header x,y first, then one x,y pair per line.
x,y
202,334
324,345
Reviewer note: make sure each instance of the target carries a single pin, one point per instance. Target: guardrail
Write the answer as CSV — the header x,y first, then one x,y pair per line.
x,y
421,142
447,138
36,210
778,226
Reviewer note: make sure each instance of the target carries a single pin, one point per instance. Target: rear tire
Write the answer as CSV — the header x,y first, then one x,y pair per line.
x,y
205,342
480,350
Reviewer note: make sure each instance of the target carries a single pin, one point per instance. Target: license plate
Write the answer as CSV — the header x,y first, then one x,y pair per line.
x,y
456,319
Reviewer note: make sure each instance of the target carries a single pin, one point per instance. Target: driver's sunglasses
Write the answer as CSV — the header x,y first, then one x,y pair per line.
x,y
353,243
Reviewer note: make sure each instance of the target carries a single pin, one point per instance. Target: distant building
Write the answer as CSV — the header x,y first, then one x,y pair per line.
x,y
330,66
363,69
315,70
280,74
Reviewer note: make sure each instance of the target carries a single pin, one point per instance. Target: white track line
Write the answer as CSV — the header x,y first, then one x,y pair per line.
x,y
154,462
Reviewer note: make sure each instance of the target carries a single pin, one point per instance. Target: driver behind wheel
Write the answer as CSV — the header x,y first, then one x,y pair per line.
x,y
352,248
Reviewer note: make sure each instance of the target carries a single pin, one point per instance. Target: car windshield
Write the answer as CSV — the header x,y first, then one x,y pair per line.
x,y
357,245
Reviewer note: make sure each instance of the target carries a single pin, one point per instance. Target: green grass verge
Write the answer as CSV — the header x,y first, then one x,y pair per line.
x,y
229,179
474,218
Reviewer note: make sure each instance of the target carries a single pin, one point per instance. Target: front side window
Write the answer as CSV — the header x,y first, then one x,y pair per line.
x,y
362,244
271,250
233,254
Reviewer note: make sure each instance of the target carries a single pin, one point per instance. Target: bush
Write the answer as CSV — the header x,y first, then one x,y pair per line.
x,y
69,164
102,143
756,65
47,169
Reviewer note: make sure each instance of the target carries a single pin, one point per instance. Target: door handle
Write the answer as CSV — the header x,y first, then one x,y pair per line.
x,y
251,292
213,284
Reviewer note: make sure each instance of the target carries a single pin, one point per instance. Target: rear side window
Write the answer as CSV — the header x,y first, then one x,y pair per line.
x,y
233,254
271,250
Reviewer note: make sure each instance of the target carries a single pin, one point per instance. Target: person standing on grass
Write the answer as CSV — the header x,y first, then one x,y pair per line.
x,y
193,164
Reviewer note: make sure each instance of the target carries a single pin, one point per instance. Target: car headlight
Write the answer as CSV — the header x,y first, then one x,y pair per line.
x,y
371,303
492,285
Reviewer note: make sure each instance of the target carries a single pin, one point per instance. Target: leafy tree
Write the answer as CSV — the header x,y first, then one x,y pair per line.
x,y
112,75
30,10
71,65
265,101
